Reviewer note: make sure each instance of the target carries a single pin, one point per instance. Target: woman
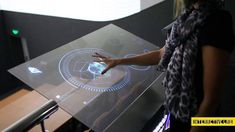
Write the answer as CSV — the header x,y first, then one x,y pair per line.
x,y
195,58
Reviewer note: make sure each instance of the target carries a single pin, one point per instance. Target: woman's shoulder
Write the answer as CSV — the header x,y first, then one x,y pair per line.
x,y
220,16
218,30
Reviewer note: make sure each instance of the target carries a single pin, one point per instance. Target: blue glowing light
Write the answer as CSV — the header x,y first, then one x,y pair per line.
x,y
96,68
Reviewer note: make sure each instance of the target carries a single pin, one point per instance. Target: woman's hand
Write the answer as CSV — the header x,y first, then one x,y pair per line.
x,y
110,62
145,59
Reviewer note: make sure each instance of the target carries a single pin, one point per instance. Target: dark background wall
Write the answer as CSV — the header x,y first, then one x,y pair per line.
x,y
45,33
7,81
10,56
228,104
230,6
3,54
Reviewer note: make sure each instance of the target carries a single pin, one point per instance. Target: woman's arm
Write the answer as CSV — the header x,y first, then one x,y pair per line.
x,y
150,58
215,65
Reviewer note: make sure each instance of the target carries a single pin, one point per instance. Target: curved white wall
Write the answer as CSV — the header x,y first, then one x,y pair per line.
x,y
93,10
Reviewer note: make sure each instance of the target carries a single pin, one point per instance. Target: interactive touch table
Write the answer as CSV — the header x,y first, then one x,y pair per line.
x,y
70,76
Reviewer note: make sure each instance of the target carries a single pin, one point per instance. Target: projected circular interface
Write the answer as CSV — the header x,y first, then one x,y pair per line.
x,y
79,69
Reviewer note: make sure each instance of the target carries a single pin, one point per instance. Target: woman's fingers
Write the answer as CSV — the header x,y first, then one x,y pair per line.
x,y
98,55
105,60
101,58
105,70
98,60
108,67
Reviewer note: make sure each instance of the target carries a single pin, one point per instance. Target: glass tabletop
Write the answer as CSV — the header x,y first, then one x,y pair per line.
x,y
70,76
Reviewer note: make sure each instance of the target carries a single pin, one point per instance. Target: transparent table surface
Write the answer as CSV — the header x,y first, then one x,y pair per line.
x,y
72,77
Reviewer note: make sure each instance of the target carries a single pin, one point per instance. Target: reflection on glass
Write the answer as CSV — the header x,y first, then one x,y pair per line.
x,y
57,96
34,70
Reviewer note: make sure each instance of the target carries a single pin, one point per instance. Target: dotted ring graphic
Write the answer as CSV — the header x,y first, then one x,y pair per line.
x,y
78,68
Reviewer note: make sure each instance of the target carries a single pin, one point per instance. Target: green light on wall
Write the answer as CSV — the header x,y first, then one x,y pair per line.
x,y
15,32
